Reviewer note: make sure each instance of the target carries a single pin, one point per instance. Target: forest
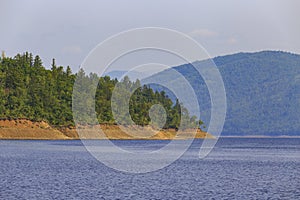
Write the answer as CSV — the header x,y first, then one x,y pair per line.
x,y
30,91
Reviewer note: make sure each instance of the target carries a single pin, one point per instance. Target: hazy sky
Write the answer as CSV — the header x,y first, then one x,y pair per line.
x,y
68,30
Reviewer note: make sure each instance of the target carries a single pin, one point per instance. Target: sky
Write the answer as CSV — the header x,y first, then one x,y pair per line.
x,y
68,30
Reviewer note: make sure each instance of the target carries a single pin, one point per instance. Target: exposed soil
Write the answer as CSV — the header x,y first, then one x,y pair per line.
x,y
26,129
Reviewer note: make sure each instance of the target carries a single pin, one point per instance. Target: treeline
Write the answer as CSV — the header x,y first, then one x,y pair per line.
x,y
28,90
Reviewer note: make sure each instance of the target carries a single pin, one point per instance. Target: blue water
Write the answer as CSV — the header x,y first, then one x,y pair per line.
x,y
235,169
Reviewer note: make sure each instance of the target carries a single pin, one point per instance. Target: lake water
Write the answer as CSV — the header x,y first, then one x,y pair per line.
x,y
237,168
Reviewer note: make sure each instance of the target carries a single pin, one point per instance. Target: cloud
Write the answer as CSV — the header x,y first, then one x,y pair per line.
x,y
232,40
73,49
203,33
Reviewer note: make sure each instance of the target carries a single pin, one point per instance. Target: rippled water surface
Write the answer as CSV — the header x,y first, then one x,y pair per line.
x,y
235,169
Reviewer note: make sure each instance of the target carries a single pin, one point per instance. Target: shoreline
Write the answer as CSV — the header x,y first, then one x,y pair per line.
x,y
261,137
223,137
23,129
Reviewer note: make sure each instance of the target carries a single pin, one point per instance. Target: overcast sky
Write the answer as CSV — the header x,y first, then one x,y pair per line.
x,y
69,30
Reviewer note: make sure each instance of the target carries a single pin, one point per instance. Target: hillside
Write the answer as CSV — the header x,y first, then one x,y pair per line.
x,y
262,92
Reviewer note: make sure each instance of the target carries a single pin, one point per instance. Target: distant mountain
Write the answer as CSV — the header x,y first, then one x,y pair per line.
x,y
263,92
133,75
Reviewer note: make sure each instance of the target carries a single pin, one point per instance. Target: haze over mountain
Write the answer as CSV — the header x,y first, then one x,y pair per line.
x,y
133,75
262,91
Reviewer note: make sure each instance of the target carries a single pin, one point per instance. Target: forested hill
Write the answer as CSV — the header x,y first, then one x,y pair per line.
x,y
262,91
30,91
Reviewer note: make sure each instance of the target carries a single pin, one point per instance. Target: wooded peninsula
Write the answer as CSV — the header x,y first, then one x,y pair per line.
x,y
30,92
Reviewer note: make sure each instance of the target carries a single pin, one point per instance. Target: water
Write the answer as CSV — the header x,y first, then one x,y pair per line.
x,y
235,169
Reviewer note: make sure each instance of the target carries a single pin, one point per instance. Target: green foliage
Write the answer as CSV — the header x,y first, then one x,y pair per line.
x,y
28,90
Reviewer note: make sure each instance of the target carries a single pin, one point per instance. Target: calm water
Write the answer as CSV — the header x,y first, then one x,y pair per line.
x,y
235,169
